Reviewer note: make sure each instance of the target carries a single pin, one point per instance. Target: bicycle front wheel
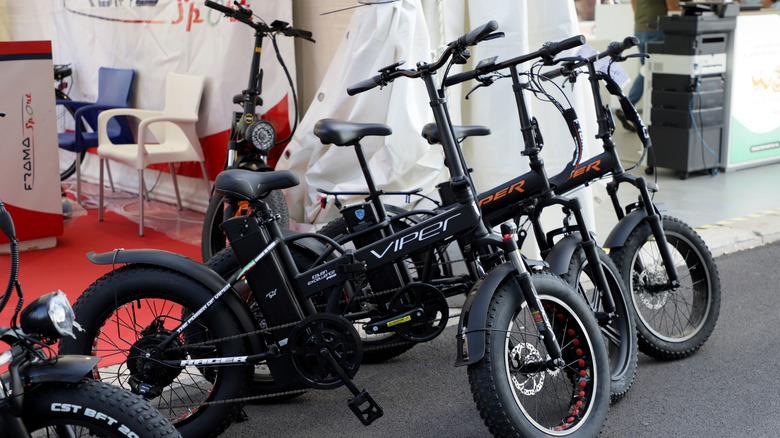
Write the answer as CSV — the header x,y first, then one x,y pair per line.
x,y
672,323
91,408
619,332
516,393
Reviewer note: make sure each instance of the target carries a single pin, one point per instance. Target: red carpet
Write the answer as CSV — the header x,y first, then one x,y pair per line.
x,y
66,267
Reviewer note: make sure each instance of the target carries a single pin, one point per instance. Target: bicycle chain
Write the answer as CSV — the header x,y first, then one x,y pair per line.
x,y
268,330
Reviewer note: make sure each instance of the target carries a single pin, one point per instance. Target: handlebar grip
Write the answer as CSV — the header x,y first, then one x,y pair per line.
x,y
616,48
478,34
365,85
224,9
569,43
6,223
460,77
303,33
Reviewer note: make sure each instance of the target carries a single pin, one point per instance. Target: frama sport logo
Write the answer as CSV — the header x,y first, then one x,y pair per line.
x,y
171,12
28,142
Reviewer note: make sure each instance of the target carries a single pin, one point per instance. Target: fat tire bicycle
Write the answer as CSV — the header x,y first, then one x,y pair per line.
x,y
192,338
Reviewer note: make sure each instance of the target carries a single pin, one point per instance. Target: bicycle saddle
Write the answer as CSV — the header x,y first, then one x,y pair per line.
x,y
343,133
248,185
430,132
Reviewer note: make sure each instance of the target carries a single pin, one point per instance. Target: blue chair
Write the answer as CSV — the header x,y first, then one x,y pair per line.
x,y
114,87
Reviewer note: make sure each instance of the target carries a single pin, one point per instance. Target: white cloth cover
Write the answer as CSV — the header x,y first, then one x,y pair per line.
x,y
377,36
411,30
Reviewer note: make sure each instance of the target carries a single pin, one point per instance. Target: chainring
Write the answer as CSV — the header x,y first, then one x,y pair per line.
x,y
310,338
434,306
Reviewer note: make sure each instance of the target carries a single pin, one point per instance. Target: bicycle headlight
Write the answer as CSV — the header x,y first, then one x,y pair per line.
x,y
262,135
50,316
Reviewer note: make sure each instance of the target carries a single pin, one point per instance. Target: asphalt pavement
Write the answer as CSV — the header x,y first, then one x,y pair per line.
x,y
726,389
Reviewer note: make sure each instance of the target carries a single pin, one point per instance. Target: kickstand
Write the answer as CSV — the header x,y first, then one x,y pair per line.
x,y
366,414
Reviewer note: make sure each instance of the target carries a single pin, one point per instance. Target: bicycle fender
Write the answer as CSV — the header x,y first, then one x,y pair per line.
x,y
470,338
69,368
561,254
190,268
617,237
311,244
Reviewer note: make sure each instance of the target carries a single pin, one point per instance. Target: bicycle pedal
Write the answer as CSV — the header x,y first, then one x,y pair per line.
x,y
366,414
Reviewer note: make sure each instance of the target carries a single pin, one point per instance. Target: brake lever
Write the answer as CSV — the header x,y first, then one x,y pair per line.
x,y
484,81
473,90
633,55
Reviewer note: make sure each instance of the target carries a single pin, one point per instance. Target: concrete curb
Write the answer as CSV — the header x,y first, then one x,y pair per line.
x,y
742,233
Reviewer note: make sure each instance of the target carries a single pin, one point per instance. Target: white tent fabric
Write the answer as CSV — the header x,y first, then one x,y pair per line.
x,y
412,30
378,36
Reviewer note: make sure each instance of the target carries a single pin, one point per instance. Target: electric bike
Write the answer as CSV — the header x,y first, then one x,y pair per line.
x,y
251,137
186,340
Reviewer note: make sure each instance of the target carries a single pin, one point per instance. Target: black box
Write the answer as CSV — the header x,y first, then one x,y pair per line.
x,y
701,44
683,150
670,82
682,118
695,24
682,100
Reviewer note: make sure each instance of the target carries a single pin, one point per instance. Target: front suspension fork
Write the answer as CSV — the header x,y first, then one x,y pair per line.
x,y
508,230
654,220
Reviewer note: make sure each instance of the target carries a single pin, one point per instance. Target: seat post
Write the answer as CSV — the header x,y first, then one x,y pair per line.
x,y
373,193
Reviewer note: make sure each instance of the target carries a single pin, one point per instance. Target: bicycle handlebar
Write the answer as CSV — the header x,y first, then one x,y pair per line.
x,y
614,51
365,85
224,9
548,51
477,35
390,73
615,48
6,224
244,15
554,48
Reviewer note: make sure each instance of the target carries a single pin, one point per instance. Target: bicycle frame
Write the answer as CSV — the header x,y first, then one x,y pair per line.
x,y
608,162
283,293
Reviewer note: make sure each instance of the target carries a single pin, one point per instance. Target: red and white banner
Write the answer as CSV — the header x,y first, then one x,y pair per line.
x,y
29,172
154,37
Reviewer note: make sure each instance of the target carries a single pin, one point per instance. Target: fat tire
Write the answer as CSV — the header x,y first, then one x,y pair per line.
x,y
212,240
128,413
701,271
130,284
491,387
620,335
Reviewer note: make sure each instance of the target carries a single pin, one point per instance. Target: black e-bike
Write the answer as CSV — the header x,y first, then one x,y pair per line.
x,y
187,340
575,255
251,137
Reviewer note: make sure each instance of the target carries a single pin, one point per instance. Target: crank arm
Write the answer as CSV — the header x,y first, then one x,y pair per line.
x,y
386,325
366,414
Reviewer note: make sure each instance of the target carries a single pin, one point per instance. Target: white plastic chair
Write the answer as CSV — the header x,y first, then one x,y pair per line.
x,y
173,138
